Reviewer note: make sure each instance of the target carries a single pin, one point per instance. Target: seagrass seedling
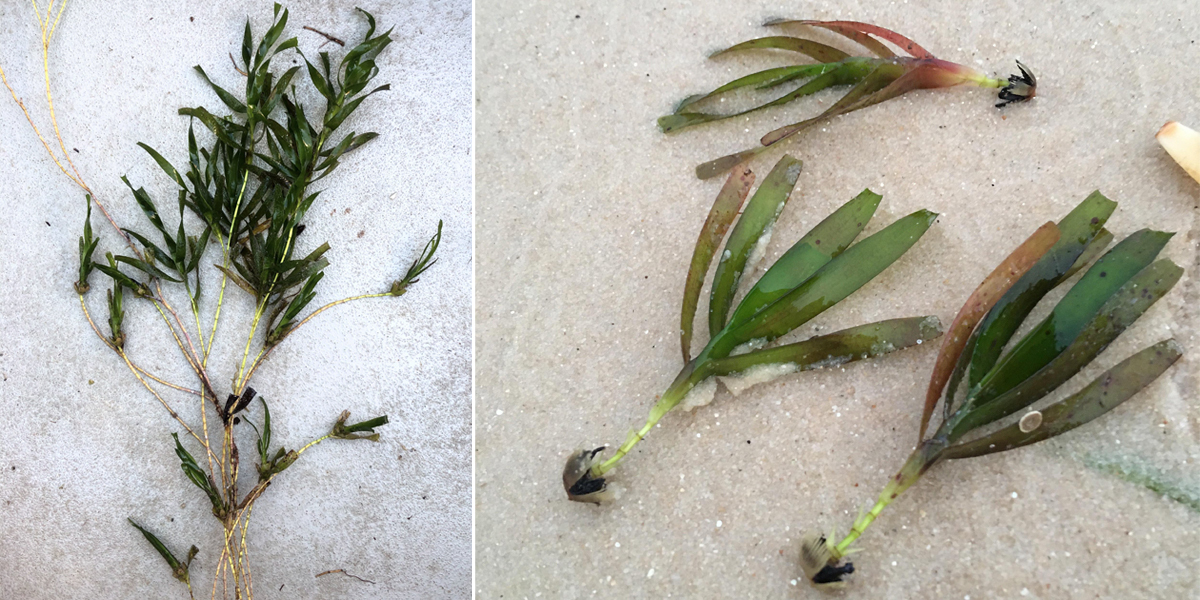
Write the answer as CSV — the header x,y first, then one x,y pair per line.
x,y
874,79
979,384
820,270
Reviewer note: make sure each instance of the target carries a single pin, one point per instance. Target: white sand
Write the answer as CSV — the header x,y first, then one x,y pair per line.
x,y
587,219
78,458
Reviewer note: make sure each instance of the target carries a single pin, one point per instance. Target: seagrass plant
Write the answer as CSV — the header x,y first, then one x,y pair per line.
x,y
819,270
242,202
874,79
979,384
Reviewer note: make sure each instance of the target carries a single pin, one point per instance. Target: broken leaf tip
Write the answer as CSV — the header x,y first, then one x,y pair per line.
x,y
1020,88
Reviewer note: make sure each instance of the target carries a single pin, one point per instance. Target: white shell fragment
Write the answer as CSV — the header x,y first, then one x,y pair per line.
x,y
1183,144
1031,421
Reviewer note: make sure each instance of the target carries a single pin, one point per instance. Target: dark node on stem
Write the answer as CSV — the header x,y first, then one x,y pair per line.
x,y
235,404
1020,87
578,481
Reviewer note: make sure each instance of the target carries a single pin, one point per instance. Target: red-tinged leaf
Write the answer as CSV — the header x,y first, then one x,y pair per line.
x,y
720,217
901,41
868,42
978,304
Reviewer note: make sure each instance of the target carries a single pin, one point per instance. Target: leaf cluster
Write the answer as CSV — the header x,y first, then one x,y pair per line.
x,y
821,269
250,188
984,383
200,479
179,568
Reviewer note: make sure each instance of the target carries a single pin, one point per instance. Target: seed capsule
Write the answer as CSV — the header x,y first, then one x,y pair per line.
x,y
578,481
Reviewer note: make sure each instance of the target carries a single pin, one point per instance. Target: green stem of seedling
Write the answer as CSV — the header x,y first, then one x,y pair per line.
x,y
925,456
695,372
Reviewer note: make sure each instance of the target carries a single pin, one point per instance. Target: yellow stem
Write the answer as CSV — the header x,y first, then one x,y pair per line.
x,y
265,352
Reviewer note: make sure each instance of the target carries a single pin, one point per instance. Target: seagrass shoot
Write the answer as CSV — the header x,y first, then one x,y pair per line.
x,y
988,386
821,269
237,216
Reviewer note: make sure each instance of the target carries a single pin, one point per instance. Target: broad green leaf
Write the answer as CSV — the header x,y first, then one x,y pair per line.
x,y
835,281
724,210
820,245
977,305
750,236
1103,394
1113,317
1073,312
1079,228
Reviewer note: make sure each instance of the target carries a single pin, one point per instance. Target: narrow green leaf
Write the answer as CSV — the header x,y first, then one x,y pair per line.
x,y
228,99
147,206
264,441
271,36
234,277
868,42
147,268
1103,394
750,236
838,74
320,83
820,245
817,51
876,81
334,119
762,80
164,164
179,570
724,210
247,44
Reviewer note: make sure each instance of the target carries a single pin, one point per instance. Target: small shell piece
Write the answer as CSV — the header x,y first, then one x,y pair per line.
x,y
1183,144
820,566
1029,422
578,481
